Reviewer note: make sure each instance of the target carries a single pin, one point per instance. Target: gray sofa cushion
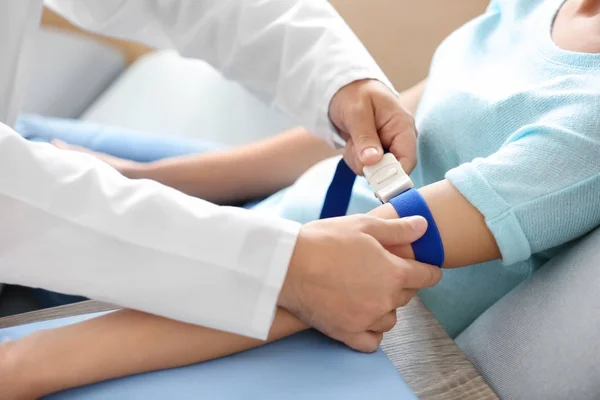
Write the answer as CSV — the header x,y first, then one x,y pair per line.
x,y
542,340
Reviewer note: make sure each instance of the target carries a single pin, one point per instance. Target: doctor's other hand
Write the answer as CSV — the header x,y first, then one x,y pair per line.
x,y
369,117
342,281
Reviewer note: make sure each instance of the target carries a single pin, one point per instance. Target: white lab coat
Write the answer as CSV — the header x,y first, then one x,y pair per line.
x,y
70,223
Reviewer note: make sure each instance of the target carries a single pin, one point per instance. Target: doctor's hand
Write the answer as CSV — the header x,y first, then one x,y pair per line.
x,y
343,282
368,115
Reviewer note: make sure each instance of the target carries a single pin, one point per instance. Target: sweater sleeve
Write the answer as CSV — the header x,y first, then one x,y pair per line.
x,y
540,190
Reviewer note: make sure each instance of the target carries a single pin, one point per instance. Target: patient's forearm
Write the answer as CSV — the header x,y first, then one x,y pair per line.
x,y
465,235
115,345
246,172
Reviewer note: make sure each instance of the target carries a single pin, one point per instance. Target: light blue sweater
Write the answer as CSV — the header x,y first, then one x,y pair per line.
x,y
513,122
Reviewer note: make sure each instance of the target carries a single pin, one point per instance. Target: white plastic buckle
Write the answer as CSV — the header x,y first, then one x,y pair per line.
x,y
387,178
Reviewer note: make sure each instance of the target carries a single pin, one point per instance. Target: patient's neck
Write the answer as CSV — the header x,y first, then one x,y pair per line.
x,y
577,26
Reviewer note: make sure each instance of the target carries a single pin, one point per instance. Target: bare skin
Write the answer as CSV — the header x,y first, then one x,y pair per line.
x,y
577,26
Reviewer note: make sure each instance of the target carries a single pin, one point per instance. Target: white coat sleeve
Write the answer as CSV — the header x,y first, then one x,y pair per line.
x,y
72,224
296,54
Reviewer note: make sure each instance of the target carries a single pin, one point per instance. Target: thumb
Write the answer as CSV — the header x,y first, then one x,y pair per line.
x,y
390,232
361,127
365,342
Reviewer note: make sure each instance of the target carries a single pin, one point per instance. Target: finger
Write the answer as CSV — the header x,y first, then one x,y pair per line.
x,y
350,158
365,342
404,147
344,135
403,251
385,323
417,275
360,124
405,297
399,231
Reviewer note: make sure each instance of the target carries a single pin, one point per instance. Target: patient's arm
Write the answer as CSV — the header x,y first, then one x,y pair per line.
x,y
465,235
246,172
233,175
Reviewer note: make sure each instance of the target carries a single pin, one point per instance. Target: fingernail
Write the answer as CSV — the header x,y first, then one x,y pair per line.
x,y
417,224
370,152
